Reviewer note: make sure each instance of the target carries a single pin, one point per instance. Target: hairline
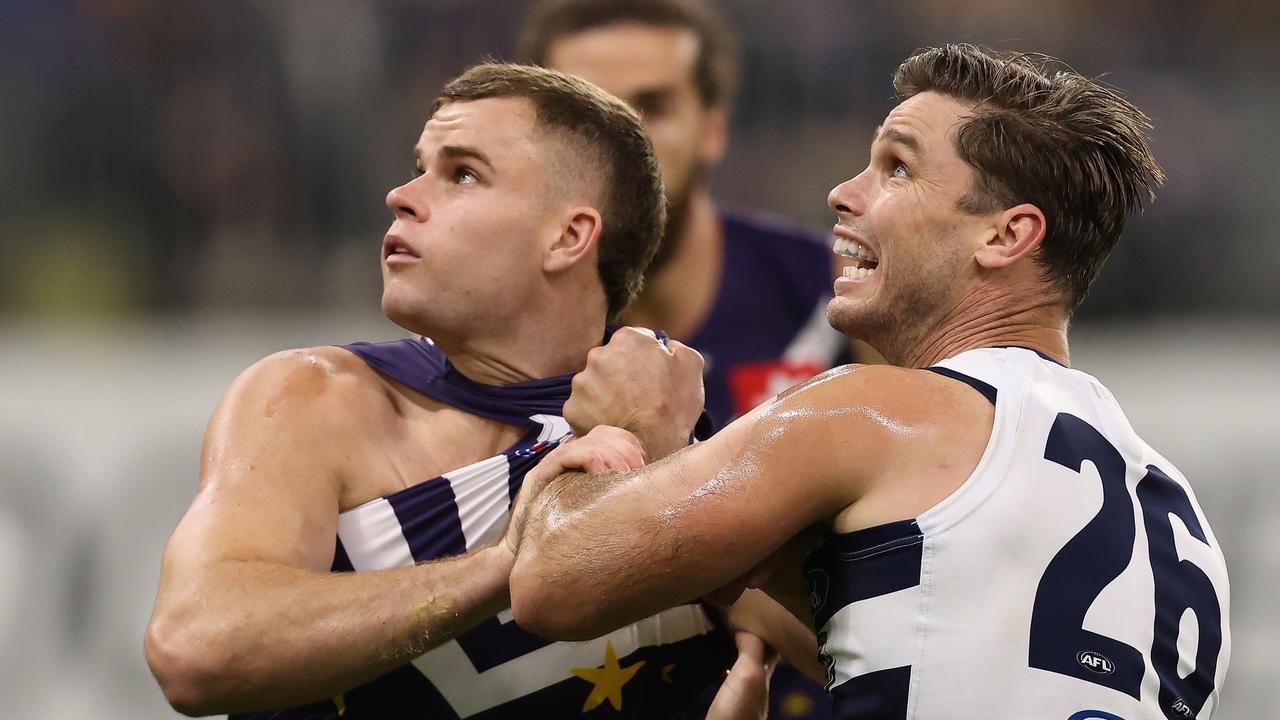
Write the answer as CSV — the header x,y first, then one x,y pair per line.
x,y
558,168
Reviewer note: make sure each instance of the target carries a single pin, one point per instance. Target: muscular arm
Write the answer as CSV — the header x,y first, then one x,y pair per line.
x,y
597,553
247,616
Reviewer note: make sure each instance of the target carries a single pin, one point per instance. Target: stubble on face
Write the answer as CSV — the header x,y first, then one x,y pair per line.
x,y
652,68
679,200
919,227
909,305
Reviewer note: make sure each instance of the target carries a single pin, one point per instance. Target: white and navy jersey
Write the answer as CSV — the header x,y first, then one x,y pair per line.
x,y
1072,576
656,668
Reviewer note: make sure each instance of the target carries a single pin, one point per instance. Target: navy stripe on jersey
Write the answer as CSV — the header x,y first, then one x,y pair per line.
x,y
863,564
399,695
1042,355
879,695
987,391
430,520
341,562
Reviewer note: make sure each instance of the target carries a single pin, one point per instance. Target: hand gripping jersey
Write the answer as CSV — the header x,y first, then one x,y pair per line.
x,y
655,668
767,329
1072,577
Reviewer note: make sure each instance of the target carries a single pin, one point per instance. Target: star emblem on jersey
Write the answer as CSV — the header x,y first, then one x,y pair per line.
x,y
607,680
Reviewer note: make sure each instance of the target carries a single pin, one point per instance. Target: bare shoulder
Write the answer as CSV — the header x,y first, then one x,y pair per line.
x,y
860,427
882,393
308,382
306,405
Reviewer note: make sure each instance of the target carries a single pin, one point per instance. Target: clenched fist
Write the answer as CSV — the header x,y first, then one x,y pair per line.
x,y
649,386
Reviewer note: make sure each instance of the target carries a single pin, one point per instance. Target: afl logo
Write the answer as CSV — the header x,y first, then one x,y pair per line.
x,y
818,584
1095,662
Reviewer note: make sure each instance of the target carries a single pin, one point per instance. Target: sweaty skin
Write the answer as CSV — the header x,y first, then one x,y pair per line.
x,y
248,616
853,448
696,521
300,437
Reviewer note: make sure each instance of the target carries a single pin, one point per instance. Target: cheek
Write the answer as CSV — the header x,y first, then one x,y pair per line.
x,y
675,143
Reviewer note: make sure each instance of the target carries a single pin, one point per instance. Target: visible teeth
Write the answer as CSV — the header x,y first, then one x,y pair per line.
x,y
857,273
852,249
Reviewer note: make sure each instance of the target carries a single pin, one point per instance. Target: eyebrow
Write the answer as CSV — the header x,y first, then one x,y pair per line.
x,y
455,152
651,94
911,142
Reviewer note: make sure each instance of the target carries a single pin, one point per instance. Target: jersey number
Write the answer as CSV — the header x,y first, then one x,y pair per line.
x,y
1097,555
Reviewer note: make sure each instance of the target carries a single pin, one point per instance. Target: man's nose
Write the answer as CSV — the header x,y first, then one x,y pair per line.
x,y
407,201
848,197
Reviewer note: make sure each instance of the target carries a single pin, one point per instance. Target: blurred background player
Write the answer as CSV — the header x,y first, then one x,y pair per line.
x,y
535,206
747,291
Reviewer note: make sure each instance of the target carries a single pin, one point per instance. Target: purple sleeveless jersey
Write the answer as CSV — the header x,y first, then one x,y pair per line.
x,y
660,667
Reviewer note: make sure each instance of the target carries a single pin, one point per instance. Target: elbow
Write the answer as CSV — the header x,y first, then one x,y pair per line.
x,y
551,609
189,670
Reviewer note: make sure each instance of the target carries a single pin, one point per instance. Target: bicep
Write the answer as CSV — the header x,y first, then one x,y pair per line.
x,y
692,523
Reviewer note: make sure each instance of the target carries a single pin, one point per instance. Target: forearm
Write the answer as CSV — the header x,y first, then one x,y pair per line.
x,y
252,635
761,615
600,552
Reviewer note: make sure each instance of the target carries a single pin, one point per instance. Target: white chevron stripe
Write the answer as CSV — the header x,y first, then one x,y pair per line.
x,y
471,692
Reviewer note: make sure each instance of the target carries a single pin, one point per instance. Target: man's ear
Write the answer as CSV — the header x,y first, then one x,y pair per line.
x,y
578,236
715,136
1018,231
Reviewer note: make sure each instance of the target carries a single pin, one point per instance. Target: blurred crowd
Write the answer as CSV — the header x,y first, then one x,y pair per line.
x,y
232,156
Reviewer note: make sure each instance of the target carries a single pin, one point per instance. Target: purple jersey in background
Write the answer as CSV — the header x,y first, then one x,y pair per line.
x,y
767,329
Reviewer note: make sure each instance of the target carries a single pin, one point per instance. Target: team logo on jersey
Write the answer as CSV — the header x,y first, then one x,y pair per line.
x,y
536,448
818,585
1096,662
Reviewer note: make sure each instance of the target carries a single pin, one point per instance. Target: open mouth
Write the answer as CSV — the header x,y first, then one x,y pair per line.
x,y
864,263
393,246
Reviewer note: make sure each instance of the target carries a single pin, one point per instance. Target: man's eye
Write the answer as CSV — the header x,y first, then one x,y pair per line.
x,y
900,170
651,108
464,176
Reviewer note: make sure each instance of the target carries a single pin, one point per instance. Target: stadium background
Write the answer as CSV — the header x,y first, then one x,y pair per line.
x,y
185,187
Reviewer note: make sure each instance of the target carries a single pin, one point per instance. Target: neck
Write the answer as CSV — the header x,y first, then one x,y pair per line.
x,y
678,296
993,317
530,346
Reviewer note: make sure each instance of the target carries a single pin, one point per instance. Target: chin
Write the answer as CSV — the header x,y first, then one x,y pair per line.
x,y
403,314
848,315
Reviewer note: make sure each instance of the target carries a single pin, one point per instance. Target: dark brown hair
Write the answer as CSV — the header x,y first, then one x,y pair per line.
x,y
715,72
1043,134
607,144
